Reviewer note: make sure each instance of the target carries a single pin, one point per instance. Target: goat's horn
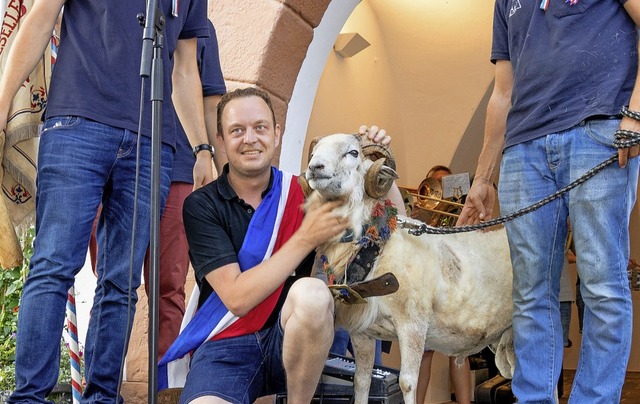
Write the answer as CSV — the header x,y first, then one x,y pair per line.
x,y
379,179
304,184
376,151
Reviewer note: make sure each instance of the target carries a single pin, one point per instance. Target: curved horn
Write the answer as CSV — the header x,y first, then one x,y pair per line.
x,y
379,179
375,151
304,184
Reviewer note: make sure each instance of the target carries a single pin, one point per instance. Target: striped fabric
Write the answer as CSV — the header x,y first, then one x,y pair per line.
x,y
19,144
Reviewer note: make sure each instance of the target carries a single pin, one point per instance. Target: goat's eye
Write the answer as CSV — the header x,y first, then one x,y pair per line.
x,y
354,153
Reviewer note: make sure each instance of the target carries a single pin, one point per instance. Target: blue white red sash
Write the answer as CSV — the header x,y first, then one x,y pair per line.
x,y
277,217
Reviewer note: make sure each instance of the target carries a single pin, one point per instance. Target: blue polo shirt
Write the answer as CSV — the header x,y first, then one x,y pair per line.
x,y
212,84
97,74
569,62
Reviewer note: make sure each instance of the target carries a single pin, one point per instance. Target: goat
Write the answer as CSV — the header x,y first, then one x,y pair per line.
x,y
454,291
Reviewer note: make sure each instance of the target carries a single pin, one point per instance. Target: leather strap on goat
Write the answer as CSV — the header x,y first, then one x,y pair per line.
x,y
357,292
362,263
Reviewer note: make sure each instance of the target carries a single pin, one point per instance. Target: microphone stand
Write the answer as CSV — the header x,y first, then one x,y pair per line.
x,y
153,39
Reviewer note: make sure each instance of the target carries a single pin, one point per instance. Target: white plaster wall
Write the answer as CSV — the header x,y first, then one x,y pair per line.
x,y
300,106
357,90
421,79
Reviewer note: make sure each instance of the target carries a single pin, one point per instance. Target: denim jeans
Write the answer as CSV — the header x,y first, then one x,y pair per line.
x,y
599,211
565,320
81,164
342,344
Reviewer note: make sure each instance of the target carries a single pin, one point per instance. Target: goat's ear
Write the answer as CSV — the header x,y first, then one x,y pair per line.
x,y
379,179
304,184
312,146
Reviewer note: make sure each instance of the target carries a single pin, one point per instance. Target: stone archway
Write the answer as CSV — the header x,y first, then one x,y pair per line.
x,y
281,47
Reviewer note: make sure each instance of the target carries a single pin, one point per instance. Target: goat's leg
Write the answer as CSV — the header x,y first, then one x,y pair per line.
x,y
364,348
411,344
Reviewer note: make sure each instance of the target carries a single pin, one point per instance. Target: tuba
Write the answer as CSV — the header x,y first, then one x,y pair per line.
x,y
430,207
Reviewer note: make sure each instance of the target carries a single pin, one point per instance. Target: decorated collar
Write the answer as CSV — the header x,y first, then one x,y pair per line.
x,y
375,233
383,222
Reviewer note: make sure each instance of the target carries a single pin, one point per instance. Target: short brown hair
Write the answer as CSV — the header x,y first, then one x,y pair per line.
x,y
438,168
240,93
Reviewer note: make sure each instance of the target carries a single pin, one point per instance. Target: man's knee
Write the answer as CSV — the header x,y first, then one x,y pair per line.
x,y
310,296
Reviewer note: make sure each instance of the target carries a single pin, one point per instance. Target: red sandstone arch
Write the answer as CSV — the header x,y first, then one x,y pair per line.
x,y
264,43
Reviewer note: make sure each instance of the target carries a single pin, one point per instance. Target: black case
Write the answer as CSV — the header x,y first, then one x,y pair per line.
x,y
503,394
485,392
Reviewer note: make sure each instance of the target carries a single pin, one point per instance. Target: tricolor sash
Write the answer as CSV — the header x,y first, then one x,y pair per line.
x,y
277,217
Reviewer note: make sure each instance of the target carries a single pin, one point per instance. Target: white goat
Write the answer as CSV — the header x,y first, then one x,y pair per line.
x,y
455,290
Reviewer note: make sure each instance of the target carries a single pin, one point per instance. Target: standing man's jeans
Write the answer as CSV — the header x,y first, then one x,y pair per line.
x,y
565,321
599,211
81,164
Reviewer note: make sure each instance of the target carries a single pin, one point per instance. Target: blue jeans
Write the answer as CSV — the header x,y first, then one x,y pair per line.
x,y
599,211
81,164
565,320
342,344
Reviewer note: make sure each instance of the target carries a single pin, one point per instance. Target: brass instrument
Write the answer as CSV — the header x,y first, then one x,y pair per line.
x,y
429,206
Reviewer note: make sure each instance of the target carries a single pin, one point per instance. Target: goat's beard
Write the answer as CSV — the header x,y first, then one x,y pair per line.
x,y
316,198
334,197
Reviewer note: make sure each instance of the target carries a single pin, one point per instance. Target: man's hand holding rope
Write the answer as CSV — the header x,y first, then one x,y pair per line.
x,y
629,126
478,206
479,203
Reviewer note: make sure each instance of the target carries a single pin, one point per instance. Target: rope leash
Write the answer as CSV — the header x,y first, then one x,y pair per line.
x,y
623,139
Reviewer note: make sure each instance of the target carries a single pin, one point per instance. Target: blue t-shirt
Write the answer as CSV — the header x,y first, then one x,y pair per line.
x,y
212,84
569,62
97,74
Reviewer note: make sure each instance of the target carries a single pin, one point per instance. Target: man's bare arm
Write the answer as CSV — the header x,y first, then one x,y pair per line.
x,y
30,43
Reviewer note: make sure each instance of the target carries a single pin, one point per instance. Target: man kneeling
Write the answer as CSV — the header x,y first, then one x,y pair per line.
x,y
264,325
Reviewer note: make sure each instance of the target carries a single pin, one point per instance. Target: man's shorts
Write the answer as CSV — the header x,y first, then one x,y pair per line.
x,y
238,369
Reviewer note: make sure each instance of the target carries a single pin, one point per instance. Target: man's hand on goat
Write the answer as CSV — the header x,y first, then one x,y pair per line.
x,y
478,206
376,134
321,223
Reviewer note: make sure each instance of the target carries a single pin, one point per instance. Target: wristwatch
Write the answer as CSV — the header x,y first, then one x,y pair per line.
x,y
202,147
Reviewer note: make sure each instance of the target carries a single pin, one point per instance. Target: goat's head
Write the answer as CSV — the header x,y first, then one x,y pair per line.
x,y
340,165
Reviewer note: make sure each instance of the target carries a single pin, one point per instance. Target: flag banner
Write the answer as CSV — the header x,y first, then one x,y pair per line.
x,y
19,141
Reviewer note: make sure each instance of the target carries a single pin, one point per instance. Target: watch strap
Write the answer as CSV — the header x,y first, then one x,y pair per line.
x,y
202,147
